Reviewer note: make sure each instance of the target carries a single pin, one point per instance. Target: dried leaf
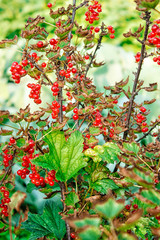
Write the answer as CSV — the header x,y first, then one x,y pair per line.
x,y
16,200
8,42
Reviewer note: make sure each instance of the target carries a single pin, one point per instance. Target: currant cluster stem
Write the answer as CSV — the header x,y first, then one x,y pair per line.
x,y
137,74
96,49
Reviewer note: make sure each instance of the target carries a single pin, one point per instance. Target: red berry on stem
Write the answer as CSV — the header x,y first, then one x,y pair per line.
x,y
73,235
40,44
87,57
143,109
75,117
49,5
96,29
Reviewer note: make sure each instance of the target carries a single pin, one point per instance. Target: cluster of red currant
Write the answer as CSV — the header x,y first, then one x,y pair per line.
x,y
68,72
17,72
129,207
4,201
55,109
35,177
7,158
137,57
154,39
35,92
26,160
75,116
141,119
54,42
51,178
69,96
55,89
98,116
11,141
93,12
111,32
111,133
96,29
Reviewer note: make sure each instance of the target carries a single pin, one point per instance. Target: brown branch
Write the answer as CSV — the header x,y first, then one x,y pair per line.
x,y
146,134
96,49
147,19
82,4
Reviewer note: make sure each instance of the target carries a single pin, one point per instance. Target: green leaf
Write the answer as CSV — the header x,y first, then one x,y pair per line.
x,y
8,42
87,221
111,152
63,58
4,132
41,124
51,54
110,209
100,173
63,44
65,157
151,195
20,142
90,233
30,187
49,223
94,131
103,185
71,199
132,147
144,176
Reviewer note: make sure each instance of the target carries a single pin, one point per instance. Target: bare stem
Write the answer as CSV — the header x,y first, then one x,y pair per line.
x,y
137,74
63,189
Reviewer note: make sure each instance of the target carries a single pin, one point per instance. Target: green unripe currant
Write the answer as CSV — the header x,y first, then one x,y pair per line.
x,y
96,159
99,149
90,153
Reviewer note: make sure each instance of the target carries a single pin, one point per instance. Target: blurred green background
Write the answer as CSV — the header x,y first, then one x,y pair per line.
x,y
118,55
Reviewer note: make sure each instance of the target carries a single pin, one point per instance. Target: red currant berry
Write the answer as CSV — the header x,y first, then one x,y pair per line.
x,y
135,206
40,44
49,5
44,65
75,117
73,235
87,57
143,109
96,29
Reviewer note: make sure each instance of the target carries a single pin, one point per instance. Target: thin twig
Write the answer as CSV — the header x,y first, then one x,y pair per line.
x,y
144,163
63,190
146,134
96,49
147,19
82,4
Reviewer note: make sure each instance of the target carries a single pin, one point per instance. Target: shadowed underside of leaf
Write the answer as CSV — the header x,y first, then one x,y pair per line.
x,y
49,223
